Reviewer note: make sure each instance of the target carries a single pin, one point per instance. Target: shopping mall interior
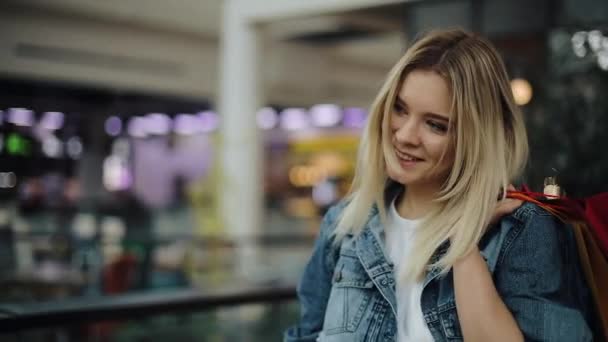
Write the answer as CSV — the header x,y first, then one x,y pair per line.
x,y
165,165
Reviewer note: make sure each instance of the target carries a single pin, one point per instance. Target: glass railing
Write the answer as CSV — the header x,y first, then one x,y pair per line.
x,y
231,314
199,290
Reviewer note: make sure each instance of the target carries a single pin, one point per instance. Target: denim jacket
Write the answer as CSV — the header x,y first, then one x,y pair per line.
x,y
347,292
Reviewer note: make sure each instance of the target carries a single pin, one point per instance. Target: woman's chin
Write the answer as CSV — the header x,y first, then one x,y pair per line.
x,y
400,177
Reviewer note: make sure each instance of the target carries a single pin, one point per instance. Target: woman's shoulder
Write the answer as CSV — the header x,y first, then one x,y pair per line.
x,y
530,212
539,272
526,230
530,228
332,217
536,221
335,211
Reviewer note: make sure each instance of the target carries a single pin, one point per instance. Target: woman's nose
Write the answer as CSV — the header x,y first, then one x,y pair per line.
x,y
408,133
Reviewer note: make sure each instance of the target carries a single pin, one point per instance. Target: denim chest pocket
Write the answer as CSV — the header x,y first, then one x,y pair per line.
x,y
443,322
350,296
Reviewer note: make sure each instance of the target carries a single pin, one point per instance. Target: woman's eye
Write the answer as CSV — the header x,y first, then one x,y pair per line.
x,y
438,127
398,108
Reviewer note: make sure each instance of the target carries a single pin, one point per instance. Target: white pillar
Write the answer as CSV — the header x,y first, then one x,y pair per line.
x,y
240,96
240,148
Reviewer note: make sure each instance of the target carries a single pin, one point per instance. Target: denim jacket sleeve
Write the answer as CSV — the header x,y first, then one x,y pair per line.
x,y
540,280
315,284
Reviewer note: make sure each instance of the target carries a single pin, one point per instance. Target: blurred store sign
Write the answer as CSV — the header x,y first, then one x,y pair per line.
x,y
116,173
333,142
354,117
267,118
186,124
325,115
318,116
159,124
20,117
304,175
52,121
208,122
156,124
137,127
293,119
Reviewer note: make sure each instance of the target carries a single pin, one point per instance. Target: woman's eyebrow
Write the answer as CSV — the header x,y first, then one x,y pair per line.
x,y
442,117
438,116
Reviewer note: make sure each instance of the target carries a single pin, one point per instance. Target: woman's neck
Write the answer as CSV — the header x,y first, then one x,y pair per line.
x,y
415,203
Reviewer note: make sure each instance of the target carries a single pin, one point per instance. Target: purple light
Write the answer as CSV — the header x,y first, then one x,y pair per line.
x,y
116,174
325,115
157,123
137,127
153,164
209,121
21,117
186,124
74,147
324,193
191,158
354,117
52,147
267,118
41,133
52,121
293,119
113,126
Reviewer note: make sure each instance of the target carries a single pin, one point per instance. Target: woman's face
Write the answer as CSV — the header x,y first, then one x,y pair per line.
x,y
419,131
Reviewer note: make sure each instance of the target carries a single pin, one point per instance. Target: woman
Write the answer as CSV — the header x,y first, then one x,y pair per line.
x,y
419,251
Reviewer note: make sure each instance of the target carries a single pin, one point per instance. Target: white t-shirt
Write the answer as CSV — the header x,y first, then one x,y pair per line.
x,y
410,322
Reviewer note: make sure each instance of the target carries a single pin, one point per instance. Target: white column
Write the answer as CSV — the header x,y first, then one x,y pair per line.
x,y
240,148
240,96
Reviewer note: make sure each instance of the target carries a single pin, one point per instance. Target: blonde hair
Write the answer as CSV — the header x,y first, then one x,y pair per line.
x,y
486,128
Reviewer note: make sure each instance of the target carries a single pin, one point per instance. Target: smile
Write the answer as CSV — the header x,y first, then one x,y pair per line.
x,y
406,156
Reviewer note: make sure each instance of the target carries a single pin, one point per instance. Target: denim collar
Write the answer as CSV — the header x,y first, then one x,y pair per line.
x,y
371,254
370,249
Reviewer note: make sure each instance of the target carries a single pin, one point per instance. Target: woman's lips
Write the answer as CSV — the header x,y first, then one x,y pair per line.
x,y
406,160
407,156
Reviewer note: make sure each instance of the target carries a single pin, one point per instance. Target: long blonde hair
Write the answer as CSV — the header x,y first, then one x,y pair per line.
x,y
489,135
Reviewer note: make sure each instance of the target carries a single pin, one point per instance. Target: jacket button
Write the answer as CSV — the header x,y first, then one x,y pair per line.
x,y
384,282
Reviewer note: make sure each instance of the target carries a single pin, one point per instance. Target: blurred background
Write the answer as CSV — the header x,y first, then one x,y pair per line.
x,y
164,166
